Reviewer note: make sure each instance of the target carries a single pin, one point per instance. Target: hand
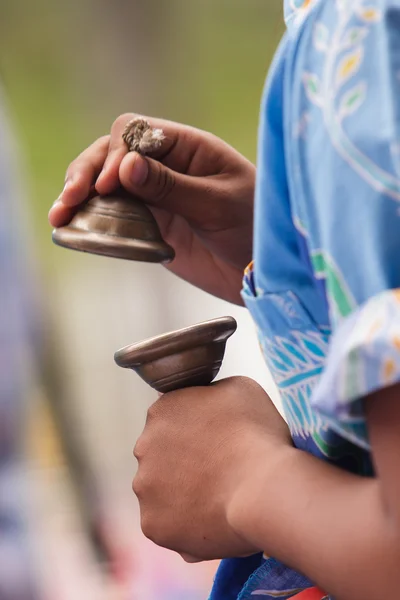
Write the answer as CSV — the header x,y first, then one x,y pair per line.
x,y
199,448
199,189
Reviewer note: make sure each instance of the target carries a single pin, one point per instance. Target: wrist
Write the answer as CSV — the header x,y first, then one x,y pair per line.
x,y
257,494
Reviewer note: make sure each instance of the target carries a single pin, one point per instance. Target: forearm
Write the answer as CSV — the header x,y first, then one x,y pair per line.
x,y
324,522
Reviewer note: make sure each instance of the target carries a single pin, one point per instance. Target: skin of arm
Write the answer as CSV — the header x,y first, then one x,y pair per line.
x,y
341,530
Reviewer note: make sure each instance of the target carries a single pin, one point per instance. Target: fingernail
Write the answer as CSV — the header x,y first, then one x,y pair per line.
x,y
140,170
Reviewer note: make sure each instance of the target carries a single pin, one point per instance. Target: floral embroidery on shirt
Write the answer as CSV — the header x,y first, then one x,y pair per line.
x,y
297,10
296,364
344,50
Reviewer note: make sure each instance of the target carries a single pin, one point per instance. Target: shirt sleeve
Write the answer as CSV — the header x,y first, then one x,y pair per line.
x,y
345,165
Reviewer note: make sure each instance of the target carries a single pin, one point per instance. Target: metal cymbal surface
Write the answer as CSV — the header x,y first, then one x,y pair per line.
x,y
184,358
118,226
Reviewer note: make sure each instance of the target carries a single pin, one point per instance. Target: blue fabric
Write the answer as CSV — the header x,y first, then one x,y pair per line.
x,y
233,575
324,288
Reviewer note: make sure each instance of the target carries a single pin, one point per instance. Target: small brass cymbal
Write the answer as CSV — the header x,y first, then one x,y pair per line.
x,y
184,358
119,226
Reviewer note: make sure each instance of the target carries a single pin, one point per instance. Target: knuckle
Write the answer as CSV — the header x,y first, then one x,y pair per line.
x,y
156,530
152,412
247,382
139,449
87,157
121,121
164,182
103,141
240,381
148,528
73,166
238,386
138,487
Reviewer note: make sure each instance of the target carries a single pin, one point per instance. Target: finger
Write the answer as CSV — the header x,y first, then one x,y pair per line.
x,y
163,187
83,171
118,149
108,179
60,214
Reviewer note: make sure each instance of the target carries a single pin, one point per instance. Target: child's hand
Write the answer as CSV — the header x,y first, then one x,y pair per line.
x,y
198,450
199,189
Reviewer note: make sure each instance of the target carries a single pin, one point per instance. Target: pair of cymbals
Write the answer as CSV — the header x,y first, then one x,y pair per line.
x,y
121,226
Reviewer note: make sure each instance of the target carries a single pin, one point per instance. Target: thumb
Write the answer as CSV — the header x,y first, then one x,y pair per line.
x,y
160,186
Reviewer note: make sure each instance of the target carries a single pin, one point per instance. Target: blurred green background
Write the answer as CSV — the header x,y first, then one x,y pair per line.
x,y
70,68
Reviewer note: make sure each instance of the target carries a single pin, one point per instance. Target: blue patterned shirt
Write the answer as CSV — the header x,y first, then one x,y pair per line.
x,y
325,287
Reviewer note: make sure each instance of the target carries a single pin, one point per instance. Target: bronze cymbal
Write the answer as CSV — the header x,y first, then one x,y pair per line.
x,y
183,358
119,226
